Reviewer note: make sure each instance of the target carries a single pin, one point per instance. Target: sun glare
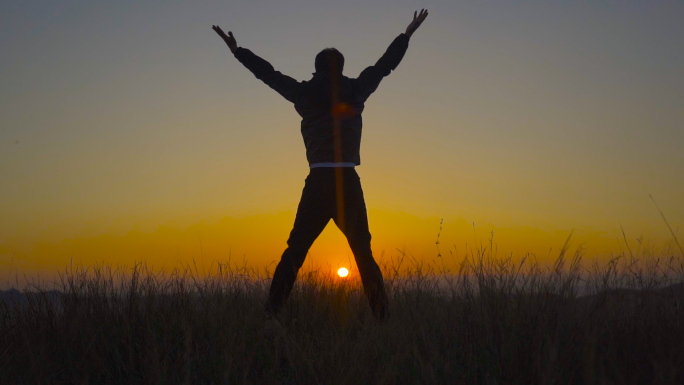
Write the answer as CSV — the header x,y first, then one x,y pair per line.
x,y
343,272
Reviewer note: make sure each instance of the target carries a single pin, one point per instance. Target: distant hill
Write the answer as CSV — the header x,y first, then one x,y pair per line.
x,y
14,297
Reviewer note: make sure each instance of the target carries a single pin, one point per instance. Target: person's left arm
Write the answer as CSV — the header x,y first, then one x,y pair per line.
x,y
263,70
370,78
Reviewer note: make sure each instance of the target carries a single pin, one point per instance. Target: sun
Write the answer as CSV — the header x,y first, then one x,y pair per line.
x,y
343,272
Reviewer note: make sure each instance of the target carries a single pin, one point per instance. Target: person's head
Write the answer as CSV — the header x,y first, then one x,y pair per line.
x,y
329,61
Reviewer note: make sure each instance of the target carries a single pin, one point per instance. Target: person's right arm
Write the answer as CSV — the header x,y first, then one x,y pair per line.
x,y
262,70
370,78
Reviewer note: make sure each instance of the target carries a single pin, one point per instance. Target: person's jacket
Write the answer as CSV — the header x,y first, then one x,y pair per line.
x,y
330,106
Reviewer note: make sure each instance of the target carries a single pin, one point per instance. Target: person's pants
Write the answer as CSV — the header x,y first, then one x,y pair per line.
x,y
330,193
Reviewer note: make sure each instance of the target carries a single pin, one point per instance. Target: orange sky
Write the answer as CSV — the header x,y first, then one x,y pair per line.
x,y
130,133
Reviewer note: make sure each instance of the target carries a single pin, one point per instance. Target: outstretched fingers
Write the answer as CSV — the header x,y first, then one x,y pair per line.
x,y
218,30
228,39
419,17
423,15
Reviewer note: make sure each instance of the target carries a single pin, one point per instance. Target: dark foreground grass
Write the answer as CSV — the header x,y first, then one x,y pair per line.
x,y
490,322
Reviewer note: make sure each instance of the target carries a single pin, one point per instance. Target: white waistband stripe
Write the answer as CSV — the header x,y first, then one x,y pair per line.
x,y
332,164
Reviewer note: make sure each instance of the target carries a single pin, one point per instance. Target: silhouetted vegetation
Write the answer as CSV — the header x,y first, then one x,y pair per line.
x,y
491,321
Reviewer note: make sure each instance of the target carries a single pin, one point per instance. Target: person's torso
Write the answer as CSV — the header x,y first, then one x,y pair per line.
x,y
331,119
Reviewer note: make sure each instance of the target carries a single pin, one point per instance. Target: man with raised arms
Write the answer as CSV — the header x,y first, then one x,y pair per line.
x,y
330,105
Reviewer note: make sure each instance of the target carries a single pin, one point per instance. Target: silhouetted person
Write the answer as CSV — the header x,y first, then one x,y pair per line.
x,y
330,105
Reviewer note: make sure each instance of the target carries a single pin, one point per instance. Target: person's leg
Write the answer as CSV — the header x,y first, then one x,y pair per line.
x,y
313,215
355,228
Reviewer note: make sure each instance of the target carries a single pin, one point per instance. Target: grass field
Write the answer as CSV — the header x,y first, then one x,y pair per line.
x,y
490,321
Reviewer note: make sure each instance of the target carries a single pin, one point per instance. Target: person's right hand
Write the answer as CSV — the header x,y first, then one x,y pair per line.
x,y
229,39
417,21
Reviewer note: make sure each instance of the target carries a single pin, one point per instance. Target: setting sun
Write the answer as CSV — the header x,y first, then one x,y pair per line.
x,y
343,272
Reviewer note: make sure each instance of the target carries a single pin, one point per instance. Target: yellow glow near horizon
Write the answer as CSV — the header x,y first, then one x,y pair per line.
x,y
496,132
343,272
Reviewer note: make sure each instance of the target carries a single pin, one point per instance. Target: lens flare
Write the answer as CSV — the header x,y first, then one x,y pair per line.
x,y
343,272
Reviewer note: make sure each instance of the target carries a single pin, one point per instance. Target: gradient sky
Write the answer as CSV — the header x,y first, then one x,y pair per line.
x,y
129,132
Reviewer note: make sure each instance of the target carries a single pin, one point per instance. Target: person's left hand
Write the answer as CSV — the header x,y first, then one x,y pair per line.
x,y
229,39
417,21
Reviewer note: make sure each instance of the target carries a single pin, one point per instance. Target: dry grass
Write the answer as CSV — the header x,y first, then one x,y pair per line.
x,y
492,321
